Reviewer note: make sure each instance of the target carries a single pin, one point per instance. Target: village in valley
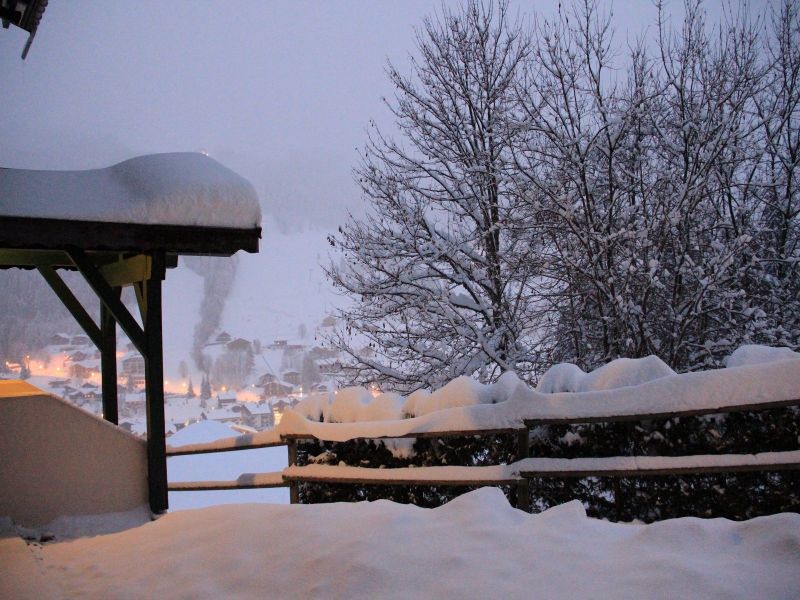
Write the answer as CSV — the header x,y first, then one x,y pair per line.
x,y
248,387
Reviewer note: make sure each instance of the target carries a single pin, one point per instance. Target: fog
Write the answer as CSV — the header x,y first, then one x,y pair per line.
x,y
281,92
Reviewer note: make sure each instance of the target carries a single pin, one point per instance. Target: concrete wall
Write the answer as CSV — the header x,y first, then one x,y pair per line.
x,y
57,460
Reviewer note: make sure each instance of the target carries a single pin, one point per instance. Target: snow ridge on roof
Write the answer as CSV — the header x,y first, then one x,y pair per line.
x,y
178,188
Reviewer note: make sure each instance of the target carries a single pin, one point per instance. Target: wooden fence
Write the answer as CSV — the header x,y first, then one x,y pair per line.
x,y
517,474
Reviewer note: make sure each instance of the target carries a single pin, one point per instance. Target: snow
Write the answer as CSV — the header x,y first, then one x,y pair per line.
x,y
622,372
755,355
469,406
174,189
477,546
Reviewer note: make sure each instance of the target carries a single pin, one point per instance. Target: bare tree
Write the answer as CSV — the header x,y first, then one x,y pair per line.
x,y
636,176
434,266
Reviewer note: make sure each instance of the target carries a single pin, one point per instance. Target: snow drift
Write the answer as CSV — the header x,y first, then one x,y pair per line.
x,y
477,546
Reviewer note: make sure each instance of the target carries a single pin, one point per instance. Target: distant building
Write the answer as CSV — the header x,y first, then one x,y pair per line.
x,y
240,345
278,409
133,369
225,415
226,398
223,338
265,379
259,416
292,377
276,389
84,370
78,356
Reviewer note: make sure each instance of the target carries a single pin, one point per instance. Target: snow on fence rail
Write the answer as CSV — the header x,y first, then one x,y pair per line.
x,y
742,388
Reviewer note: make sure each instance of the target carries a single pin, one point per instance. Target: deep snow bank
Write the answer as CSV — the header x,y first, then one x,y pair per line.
x,y
476,546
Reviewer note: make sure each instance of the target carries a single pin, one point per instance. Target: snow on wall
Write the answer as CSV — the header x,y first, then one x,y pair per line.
x,y
170,189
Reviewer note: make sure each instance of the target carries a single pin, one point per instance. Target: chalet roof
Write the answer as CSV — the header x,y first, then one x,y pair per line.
x,y
180,203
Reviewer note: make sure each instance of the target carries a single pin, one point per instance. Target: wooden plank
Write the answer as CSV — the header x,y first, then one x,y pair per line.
x,y
420,435
58,234
660,465
642,416
436,475
254,446
402,481
246,481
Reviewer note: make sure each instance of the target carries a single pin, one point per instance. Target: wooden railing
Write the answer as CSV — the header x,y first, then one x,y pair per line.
x,y
516,474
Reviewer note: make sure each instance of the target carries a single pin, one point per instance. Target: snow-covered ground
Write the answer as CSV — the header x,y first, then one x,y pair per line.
x,y
477,546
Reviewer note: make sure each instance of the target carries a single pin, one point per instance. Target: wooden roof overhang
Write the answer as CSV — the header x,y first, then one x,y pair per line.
x,y
39,236
111,256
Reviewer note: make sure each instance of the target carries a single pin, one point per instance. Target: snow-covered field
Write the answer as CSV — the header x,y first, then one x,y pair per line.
x,y
477,546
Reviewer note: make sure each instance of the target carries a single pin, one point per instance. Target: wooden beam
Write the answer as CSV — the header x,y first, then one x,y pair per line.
x,y
252,446
56,234
107,296
127,271
108,363
73,305
643,466
404,481
294,492
246,481
13,257
415,435
523,488
154,389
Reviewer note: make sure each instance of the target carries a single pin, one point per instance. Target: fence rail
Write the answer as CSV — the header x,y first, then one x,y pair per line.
x,y
517,474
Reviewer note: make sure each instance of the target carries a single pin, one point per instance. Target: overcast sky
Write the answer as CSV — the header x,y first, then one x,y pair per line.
x,y
281,92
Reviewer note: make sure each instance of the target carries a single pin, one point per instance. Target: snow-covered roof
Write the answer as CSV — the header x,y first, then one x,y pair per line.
x,y
165,189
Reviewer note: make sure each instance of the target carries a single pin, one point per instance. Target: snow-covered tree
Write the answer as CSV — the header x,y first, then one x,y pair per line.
x,y
640,175
434,268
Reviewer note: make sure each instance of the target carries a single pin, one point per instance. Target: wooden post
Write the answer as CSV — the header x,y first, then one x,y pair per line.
x,y
154,389
108,362
291,446
523,486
